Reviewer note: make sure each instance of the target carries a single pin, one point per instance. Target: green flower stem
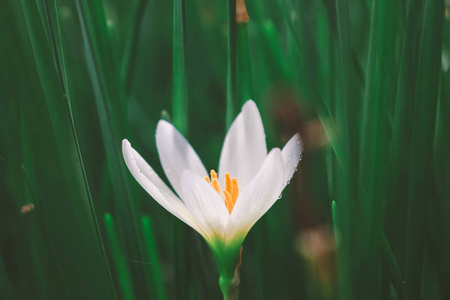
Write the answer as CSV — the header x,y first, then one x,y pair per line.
x,y
229,280
230,286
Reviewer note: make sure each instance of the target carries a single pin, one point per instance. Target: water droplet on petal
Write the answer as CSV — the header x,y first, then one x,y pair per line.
x,y
279,197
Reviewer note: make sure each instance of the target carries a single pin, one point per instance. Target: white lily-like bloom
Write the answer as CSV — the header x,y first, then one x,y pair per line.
x,y
222,216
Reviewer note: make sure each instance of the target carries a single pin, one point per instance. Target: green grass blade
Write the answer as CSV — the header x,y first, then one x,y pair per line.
x,y
231,63
244,82
110,100
346,106
123,274
6,290
439,209
180,259
342,263
131,45
69,163
399,154
180,121
373,163
391,264
153,259
179,100
425,110
346,116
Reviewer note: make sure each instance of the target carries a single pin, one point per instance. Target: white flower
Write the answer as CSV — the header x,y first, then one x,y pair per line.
x,y
222,216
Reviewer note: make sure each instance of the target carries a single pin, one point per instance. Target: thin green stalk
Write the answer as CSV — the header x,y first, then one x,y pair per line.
x,y
342,262
391,264
179,101
124,279
399,154
425,110
346,117
68,161
439,209
244,84
180,121
324,109
131,45
180,259
153,258
374,140
346,108
231,62
112,112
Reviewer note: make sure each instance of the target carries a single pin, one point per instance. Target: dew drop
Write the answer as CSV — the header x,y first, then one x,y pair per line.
x,y
279,197
289,181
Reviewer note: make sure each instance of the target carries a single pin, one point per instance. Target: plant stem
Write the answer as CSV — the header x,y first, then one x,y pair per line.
x,y
231,66
230,287
179,101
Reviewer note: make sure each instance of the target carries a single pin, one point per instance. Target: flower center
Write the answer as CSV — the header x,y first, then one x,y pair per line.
x,y
231,191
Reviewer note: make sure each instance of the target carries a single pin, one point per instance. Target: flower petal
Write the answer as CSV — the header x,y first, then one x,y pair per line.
x,y
244,148
176,155
291,156
150,181
258,197
205,204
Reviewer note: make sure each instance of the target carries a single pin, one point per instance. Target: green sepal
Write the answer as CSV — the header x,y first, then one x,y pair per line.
x,y
226,255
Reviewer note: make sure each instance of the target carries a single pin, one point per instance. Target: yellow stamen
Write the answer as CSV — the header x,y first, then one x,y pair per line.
x,y
234,189
228,201
228,182
231,191
215,184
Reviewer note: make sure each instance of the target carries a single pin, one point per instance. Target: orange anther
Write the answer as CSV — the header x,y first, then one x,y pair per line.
x,y
234,189
228,201
215,184
231,191
228,182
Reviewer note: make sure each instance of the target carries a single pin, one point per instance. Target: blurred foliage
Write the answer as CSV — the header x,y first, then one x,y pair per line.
x,y
365,82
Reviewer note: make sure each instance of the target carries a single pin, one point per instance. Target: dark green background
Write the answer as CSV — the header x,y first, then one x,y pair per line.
x,y
364,81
